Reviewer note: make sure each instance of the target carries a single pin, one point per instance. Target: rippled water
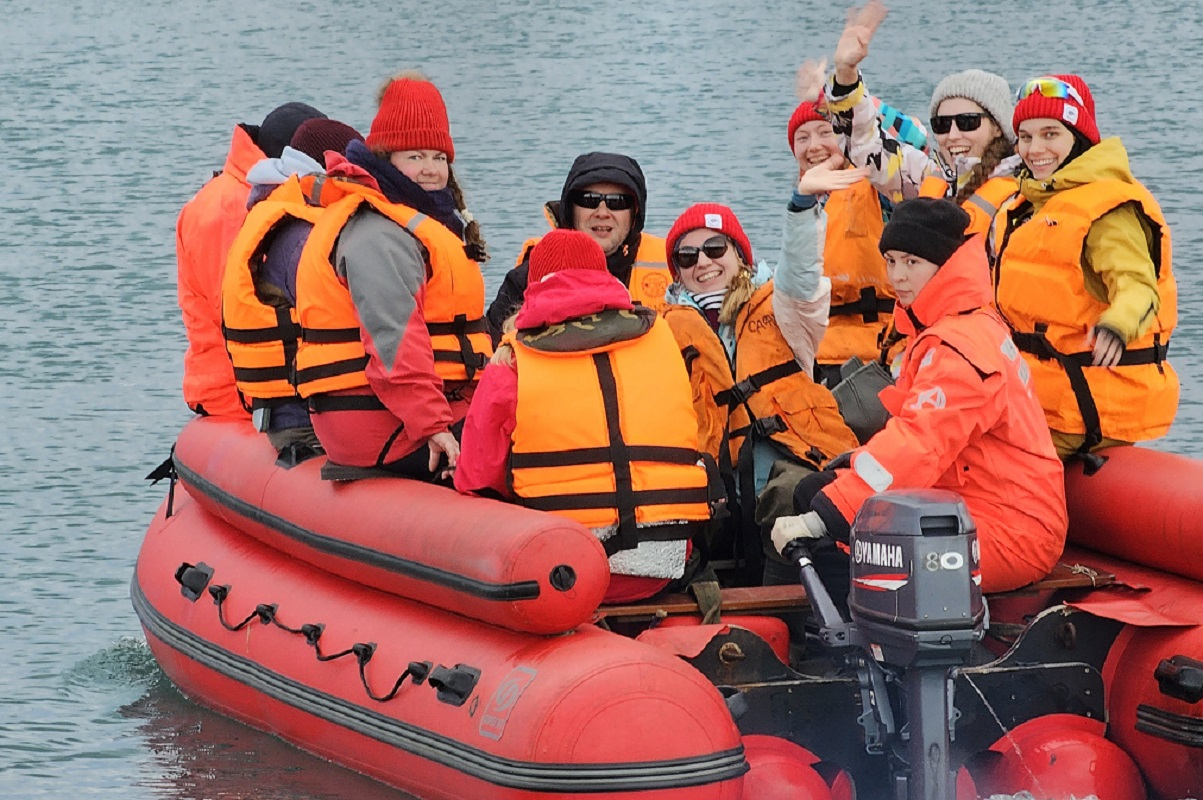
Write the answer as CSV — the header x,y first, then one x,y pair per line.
x,y
115,112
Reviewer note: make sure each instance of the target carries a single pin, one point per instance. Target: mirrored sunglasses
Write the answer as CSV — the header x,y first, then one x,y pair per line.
x,y
969,121
1050,87
615,202
714,247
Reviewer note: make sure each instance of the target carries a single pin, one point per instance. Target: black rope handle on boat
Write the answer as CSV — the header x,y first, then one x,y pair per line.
x,y
266,613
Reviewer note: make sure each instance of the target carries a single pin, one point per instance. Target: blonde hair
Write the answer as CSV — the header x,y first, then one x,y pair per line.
x,y
739,292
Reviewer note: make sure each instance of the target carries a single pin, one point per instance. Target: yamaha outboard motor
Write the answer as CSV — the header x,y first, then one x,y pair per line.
x,y
916,606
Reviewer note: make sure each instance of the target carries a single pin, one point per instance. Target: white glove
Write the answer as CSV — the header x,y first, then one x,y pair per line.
x,y
804,526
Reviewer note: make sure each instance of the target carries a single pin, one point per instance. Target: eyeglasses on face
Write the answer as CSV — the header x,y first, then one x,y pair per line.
x,y
714,247
969,121
615,202
1050,87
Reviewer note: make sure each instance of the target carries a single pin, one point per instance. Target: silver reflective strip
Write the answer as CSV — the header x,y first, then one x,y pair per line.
x,y
983,204
652,264
413,224
872,472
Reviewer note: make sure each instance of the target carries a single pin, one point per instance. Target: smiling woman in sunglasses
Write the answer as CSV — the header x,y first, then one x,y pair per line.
x,y
750,339
974,161
1083,276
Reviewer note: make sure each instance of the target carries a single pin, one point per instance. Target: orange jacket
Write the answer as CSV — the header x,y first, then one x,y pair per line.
x,y
965,419
204,232
262,338
1041,292
601,453
650,277
862,300
331,356
772,389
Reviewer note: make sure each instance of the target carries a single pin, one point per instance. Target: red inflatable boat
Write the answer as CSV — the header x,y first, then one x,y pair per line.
x,y
444,645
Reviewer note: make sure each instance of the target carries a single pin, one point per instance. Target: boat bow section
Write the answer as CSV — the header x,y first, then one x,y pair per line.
x,y
437,704
492,561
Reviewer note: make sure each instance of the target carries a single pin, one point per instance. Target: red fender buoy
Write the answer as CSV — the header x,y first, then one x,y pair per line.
x,y
1059,756
781,770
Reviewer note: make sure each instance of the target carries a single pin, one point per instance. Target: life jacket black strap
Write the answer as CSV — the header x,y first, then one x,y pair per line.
x,y
460,328
333,370
742,391
763,427
1037,344
601,455
330,335
646,497
459,325
322,403
869,306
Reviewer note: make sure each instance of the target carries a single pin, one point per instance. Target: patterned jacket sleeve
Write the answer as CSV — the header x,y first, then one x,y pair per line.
x,y
895,168
385,269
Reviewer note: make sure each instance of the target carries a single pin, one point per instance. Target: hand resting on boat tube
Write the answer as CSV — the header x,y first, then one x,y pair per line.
x,y
808,527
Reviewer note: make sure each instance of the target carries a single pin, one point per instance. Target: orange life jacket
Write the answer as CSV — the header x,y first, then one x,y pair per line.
x,y
331,356
982,206
650,277
862,299
262,338
617,449
773,397
1041,291
709,373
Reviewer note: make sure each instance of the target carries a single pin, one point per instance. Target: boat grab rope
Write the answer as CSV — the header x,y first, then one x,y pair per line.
x,y
266,613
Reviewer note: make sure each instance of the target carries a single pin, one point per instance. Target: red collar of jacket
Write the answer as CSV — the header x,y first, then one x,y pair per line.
x,y
571,293
962,284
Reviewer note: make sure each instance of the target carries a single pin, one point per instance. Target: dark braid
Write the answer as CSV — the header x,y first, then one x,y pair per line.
x,y
996,151
474,242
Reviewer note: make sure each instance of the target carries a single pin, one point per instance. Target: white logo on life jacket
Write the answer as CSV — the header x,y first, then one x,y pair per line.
x,y
878,554
930,397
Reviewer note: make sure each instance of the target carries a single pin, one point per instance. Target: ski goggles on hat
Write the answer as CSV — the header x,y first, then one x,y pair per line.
x,y
615,202
714,247
1050,87
969,121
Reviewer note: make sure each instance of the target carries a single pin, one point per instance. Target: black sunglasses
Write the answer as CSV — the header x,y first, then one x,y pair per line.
x,y
971,121
714,247
614,202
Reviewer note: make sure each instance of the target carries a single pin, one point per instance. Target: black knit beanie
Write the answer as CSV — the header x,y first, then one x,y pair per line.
x,y
925,227
280,124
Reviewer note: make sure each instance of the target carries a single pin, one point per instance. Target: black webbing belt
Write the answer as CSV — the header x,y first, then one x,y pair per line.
x,y
869,306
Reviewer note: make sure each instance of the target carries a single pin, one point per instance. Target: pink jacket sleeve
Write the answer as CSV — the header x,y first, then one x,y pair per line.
x,y
485,442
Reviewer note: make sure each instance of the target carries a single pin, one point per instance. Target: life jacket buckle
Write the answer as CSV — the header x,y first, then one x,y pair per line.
x,y
765,427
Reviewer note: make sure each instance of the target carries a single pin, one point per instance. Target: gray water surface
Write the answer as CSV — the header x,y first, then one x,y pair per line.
x,y
114,113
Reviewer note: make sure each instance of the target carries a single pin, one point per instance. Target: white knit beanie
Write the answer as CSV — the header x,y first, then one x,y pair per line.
x,y
988,90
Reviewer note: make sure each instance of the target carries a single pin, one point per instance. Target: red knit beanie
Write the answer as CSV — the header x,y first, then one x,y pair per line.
x,y
563,249
412,116
316,136
807,111
715,217
1074,112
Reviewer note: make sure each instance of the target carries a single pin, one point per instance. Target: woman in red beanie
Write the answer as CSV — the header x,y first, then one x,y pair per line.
x,y
963,415
1084,276
586,412
752,337
391,299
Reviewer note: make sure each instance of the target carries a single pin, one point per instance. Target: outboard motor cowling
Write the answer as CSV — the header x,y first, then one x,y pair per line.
x,y
916,606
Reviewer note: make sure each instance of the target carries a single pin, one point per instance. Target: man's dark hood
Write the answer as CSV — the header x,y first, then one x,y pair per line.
x,y
604,168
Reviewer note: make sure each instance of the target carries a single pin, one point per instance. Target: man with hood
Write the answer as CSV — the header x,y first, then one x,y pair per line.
x,y
604,196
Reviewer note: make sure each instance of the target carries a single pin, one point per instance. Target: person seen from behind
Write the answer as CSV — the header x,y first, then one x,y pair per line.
x,y
586,412
204,231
